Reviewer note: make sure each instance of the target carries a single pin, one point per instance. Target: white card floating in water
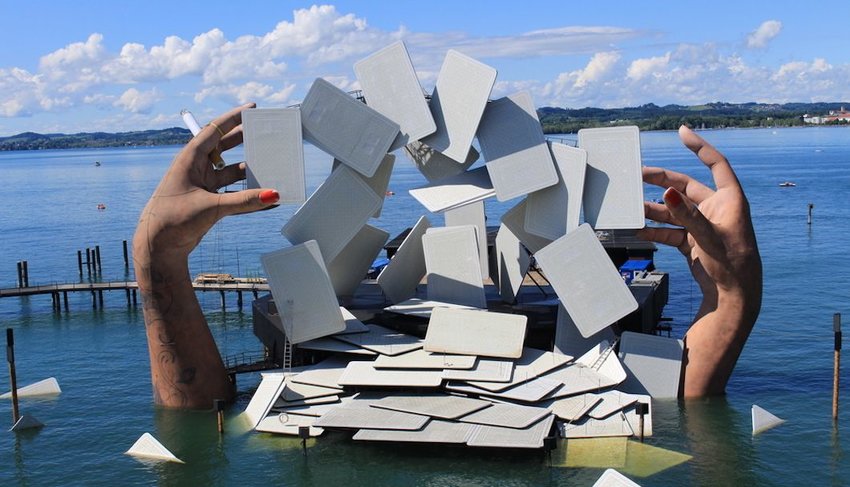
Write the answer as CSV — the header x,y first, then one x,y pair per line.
x,y
45,387
26,422
453,266
334,214
763,420
434,405
513,144
554,211
353,261
457,103
583,276
475,333
472,214
347,129
149,447
613,478
461,189
435,431
264,397
653,364
303,293
434,165
613,188
391,87
398,280
274,152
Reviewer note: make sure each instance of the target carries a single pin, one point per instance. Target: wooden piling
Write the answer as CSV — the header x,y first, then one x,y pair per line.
x,y
836,327
100,297
26,274
20,274
809,218
239,299
93,299
80,262
135,301
219,412
88,262
97,258
126,256
223,302
127,291
65,299
13,381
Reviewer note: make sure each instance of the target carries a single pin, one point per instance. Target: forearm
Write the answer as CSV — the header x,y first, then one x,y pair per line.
x,y
186,368
716,339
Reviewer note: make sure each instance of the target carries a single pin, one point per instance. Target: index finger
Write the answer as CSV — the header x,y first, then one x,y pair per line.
x,y
210,136
721,170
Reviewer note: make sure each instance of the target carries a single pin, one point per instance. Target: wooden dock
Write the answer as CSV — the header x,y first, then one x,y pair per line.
x,y
59,292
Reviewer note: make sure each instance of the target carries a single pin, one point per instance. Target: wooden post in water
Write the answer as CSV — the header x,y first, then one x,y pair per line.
x,y
26,274
223,303
20,274
239,299
80,262
836,327
126,256
88,262
809,218
65,299
219,412
97,259
13,381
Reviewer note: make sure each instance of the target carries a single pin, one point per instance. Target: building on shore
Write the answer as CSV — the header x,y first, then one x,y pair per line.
x,y
834,116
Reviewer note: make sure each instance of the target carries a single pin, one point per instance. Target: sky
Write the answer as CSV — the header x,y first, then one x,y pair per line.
x,y
92,65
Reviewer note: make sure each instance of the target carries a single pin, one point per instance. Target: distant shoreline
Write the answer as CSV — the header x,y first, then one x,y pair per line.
x,y
649,117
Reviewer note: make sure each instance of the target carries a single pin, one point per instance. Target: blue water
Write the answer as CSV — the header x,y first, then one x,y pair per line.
x,y
99,356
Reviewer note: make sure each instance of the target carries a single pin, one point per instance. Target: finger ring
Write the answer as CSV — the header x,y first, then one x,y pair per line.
x,y
221,132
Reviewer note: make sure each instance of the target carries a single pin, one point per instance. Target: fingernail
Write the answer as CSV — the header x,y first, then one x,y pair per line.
x,y
269,196
672,198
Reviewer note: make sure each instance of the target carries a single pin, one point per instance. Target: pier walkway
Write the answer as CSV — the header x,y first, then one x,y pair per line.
x,y
59,292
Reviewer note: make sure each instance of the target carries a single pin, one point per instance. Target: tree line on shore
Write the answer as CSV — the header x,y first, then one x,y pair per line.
x,y
554,121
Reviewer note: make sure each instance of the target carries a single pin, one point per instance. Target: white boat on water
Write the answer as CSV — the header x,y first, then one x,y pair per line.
x,y
787,184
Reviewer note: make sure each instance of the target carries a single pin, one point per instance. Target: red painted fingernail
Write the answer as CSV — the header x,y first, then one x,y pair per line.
x,y
269,196
673,198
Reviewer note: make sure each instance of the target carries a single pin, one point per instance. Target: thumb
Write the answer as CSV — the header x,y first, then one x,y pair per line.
x,y
247,200
688,215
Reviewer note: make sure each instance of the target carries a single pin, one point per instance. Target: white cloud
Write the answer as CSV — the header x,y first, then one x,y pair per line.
x,y
136,101
765,32
232,94
641,68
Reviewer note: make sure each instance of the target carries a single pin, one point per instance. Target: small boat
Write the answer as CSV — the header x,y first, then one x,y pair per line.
x,y
97,163
787,184
101,206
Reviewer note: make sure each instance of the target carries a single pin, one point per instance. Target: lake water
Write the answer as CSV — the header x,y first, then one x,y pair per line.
x,y
100,357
